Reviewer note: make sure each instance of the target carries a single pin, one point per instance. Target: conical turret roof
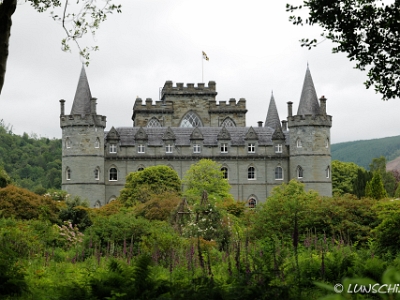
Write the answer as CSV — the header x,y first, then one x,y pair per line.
x,y
272,119
309,104
81,105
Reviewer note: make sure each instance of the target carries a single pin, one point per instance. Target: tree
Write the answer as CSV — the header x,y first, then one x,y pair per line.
x,y
140,186
88,18
206,175
375,188
366,30
388,179
4,178
344,175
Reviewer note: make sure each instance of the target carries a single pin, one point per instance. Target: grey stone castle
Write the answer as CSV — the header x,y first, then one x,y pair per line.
x,y
188,124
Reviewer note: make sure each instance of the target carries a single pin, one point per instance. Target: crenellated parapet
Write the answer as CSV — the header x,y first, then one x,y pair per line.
x,y
230,106
310,120
149,106
190,90
83,120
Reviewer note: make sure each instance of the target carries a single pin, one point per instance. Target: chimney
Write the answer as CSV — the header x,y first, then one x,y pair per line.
x,y
62,107
260,123
284,125
93,105
290,113
323,105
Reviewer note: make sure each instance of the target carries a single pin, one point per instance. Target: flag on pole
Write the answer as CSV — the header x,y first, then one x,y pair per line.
x,y
205,56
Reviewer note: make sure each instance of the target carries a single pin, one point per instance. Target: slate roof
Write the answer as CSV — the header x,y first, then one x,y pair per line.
x,y
210,134
272,119
81,105
309,104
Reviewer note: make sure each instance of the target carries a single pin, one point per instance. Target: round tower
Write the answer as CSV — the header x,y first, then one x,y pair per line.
x,y
83,171
309,131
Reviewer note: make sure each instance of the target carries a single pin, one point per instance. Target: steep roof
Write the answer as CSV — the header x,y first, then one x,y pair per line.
x,y
309,104
81,105
272,119
183,135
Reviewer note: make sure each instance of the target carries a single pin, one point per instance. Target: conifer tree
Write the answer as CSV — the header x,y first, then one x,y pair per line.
x,y
375,188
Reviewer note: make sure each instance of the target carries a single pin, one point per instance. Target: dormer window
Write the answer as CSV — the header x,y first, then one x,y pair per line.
x,y
113,148
168,148
251,148
224,148
141,148
278,148
196,148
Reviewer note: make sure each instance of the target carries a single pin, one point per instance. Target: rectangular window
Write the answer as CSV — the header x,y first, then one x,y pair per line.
x,y
140,148
278,148
196,148
251,148
224,148
168,149
113,148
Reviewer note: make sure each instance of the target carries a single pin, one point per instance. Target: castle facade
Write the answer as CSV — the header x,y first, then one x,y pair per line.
x,y
188,124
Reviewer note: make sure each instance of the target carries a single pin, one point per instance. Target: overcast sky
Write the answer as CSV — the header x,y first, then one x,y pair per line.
x,y
253,50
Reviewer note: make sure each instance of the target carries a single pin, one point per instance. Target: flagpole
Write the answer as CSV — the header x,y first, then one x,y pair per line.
x,y
202,67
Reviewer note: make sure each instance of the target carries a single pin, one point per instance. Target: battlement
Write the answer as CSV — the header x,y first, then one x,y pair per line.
x,y
228,106
310,120
85,120
189,90
156,107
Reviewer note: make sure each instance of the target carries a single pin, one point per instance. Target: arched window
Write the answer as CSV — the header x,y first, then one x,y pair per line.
x,y
251,173
97,143
278,173
300,172
327,143
225,172
153,122
98,204
68,143
252,202
97,174
191,120
113,174
228,122
112,198
68,174
328,172
298,143
140,169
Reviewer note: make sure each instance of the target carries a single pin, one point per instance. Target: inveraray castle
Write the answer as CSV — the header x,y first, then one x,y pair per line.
x,y
188,124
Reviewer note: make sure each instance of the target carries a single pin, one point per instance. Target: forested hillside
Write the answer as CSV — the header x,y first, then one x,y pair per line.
x,y
362,152
31,162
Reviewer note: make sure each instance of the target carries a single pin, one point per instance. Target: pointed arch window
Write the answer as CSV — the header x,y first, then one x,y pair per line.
x,y
278,173
68,143
298,143
191,119
327,143
328,172
153,122
97,174
300,172
97,143
251,173
228,122
224,172
68,174
113,174
98,204
252,201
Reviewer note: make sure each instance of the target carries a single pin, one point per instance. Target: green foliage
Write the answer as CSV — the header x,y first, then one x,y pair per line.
x,y
206,175
159,207
30,162
76,211
23,204
140,186
344,177
4,178
375,188
365,30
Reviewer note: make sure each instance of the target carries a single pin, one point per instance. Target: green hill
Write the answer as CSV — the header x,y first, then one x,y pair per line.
x,y
32,162
362,152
